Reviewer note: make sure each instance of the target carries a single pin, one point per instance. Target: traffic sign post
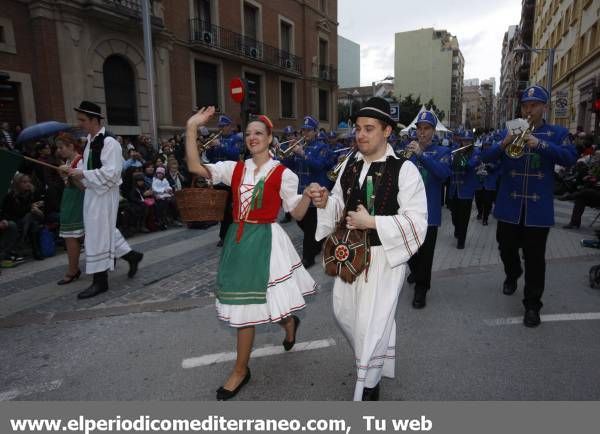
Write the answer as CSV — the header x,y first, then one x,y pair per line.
x,y
395,111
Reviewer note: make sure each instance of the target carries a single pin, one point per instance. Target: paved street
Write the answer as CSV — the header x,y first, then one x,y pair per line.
x,y
156,337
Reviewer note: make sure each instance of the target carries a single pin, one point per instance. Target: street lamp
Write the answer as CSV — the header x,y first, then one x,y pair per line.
x,y
352,95
549,69
388,78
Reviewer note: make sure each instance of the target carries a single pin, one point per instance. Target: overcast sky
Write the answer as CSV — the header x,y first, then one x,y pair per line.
x,y
478,25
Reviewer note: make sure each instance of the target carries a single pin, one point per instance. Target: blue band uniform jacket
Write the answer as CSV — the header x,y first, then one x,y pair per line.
x,y
463,182
526,183
434,166
228,149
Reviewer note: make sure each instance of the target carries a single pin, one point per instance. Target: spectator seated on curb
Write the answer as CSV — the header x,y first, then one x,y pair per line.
x,y
25,206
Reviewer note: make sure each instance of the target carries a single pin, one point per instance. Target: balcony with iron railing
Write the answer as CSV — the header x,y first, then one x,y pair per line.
x,y
327,73
221,39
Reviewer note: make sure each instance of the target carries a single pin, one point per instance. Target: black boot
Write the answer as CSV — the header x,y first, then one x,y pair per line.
x,y
98,286
133,258
371,393
420,298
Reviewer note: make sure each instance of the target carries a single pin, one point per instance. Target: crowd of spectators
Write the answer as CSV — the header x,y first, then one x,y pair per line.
x,y
30,211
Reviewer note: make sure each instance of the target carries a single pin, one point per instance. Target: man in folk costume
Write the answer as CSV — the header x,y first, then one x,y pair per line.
x,y
433,161
100,172
383,194
524,203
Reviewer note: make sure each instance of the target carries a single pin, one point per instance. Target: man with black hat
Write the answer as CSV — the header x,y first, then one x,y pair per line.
x,y
524,203
383,194
100,172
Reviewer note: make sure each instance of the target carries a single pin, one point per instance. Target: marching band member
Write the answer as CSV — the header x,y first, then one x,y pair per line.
x,y
487,174
228,148
462,187
433,161
524,203
395,216
311,163
261,278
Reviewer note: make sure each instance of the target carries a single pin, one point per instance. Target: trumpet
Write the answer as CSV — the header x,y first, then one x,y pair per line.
x,y
210,142
516,148
334,173
285,153
406,153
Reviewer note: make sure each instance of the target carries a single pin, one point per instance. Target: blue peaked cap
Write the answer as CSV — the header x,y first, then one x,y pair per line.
x,y
310,123
535,93
428,118
224,120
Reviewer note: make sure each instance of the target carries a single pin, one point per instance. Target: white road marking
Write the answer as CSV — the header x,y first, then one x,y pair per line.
x,y
30,390
546,318
269,350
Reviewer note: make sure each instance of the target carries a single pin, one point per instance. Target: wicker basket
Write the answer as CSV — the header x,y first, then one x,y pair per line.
x,y
201,204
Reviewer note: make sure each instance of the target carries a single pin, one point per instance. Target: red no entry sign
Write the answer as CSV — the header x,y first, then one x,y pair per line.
x,y
236,89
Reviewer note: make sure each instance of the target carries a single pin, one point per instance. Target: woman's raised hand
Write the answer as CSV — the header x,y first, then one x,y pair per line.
x,y
201,117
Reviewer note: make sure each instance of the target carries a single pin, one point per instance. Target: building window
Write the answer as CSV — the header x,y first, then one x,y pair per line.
x,y
207,84
7,36
258,86
203,12
323,105
250,21
323,5
323,51
285,29
287,100
119,91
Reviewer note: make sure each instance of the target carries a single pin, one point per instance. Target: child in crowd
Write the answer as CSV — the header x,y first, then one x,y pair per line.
x,y
163,194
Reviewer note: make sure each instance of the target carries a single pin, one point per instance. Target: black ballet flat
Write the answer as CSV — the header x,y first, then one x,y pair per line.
x,y
224,394
68,279
288,345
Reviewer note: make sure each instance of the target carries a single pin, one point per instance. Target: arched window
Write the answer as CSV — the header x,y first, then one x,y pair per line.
x,y
119,89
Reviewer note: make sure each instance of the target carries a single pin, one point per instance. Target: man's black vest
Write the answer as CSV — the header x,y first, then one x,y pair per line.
x,y
385,177
96,149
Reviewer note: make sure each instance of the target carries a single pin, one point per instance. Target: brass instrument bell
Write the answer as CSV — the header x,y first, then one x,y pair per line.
x,y
516,148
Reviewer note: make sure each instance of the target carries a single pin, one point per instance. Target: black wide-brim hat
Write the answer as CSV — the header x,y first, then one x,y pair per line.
x,y
376,108
90,109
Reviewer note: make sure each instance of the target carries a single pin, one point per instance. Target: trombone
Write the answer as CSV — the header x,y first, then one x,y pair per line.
x,y
210,142
333,174
459,156
285,153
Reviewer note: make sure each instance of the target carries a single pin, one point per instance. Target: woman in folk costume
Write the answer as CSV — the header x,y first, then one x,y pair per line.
x,y
395,217
261,278
71,207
